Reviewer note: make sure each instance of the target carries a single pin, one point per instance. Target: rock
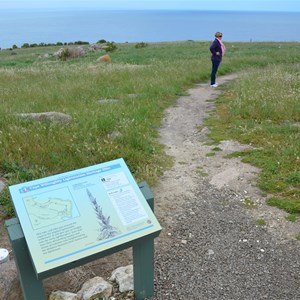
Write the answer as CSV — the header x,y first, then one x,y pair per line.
x,y
94,288
132,95
50,116
94,47
59,295
69,281
115,134
108,100
68,53
78,52
124,277
104,58
59,53
210,252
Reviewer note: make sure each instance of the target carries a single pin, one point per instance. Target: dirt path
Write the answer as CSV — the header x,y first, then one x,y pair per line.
x,y
185,141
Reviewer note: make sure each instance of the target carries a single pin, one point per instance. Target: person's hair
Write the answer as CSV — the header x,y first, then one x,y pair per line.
x,y
218,34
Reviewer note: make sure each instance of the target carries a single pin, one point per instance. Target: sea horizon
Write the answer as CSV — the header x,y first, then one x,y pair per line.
x,y
35,26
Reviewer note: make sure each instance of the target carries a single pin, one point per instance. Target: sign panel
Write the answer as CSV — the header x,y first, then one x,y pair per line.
x,y
76,214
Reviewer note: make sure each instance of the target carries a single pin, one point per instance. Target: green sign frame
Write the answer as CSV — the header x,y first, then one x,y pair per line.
x,y
75,215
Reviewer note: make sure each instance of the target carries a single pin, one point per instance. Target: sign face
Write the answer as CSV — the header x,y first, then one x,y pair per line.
x,y
76,214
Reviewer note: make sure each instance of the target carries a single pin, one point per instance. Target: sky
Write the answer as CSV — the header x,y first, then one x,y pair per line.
x,y
240,5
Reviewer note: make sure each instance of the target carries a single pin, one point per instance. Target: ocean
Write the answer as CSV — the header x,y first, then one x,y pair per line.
x,y
19,27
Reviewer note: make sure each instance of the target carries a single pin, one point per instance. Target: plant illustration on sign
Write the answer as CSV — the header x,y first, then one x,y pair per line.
x,y
106,230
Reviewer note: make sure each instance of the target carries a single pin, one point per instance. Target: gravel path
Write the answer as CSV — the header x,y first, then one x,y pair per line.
x,y
211,246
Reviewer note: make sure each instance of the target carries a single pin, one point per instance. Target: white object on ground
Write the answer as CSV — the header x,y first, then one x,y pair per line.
x,y
4,255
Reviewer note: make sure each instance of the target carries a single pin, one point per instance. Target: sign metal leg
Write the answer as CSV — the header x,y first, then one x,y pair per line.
x,y
143,269
32,287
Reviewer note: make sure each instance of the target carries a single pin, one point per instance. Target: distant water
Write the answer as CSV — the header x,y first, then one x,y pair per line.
x,y
19,27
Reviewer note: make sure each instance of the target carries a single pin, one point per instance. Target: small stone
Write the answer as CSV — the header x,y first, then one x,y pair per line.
x,y
47,116
210,252
184,242
95,287
108,100
124,277
132,95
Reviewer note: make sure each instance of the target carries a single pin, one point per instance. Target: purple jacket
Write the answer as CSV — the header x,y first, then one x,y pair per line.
x,y
214,49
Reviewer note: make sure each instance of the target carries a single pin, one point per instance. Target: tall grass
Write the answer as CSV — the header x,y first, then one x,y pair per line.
x,y
31,81
263,109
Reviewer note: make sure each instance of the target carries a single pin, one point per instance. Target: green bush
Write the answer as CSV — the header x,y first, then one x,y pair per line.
x,y
25,45
141,45
64,54
110,46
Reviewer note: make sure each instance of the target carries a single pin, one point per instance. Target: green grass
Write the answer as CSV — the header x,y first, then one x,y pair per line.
x,y
292,218
211,154
260,222
200,171
249,203
260,108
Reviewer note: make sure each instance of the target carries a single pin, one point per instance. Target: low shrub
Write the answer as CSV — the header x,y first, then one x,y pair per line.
x,y
141,45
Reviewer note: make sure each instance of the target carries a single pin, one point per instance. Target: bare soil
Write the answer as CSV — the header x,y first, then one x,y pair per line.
x,y
194,174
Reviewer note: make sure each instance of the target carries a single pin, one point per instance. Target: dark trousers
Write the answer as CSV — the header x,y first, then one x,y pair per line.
x,y
214,70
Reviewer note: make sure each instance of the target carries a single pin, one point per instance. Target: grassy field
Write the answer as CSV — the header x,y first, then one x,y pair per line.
x,y
261,108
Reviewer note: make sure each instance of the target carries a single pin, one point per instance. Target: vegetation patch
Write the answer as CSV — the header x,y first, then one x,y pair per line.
x,y
200,171
140,45
249,203
292,217
261,108
211,154
216,149
261,222
298,237
290,206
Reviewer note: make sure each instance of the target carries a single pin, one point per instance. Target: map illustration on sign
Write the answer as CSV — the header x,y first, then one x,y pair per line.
x,y
77,214
55,207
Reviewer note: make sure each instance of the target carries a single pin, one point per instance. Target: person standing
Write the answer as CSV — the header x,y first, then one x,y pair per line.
x,y
217,50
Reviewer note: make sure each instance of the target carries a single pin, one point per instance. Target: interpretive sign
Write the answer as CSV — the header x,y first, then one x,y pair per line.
x,y
76,214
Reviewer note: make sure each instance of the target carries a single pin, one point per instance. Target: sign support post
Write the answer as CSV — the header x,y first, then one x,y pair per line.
x,y
32,287
143,270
